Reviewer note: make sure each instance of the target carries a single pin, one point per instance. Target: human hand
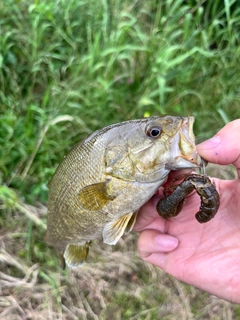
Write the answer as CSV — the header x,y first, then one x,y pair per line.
x,y
204,255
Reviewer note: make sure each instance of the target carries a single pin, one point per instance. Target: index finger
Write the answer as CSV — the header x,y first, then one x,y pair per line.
x,y
224,147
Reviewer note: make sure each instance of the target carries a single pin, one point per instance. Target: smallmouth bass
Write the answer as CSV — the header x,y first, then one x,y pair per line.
x,y
104,180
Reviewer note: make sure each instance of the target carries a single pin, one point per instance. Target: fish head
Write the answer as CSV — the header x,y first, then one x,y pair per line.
x,y
153,147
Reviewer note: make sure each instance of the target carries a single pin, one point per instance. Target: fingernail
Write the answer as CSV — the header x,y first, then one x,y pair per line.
x,y
166,242
210,143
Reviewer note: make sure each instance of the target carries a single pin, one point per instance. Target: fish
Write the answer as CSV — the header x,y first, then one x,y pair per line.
x,y
99,187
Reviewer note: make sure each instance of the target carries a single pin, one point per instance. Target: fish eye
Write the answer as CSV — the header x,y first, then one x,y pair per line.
x,y
154,131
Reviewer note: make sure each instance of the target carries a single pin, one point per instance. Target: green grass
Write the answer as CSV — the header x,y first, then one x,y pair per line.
x,y
68,68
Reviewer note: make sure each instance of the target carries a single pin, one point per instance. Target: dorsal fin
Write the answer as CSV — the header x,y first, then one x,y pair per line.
x,y
76,254
113,230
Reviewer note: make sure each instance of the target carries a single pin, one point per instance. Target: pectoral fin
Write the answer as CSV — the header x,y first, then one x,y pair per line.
x,y
113,231
95,196
76,254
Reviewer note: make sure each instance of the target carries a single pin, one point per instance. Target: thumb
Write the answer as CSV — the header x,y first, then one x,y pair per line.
x,y
224,147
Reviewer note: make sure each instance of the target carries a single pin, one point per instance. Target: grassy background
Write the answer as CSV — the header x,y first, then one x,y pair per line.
x,y
68,68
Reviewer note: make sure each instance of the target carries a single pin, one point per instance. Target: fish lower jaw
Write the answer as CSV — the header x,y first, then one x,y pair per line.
x,y
182,163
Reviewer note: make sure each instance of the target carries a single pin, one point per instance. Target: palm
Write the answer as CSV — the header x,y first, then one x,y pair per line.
x,y
205,251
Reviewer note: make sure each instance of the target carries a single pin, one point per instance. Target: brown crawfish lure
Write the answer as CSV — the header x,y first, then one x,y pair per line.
x,y
171,205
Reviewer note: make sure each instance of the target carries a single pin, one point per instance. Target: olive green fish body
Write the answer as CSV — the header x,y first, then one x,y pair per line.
x,y
104,180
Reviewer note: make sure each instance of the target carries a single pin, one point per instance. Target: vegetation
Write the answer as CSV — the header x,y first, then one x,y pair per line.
x,y
67,68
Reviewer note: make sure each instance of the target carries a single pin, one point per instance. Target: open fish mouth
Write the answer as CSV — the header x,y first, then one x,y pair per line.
x,y
184,149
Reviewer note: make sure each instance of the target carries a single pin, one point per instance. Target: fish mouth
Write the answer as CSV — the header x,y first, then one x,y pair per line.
x,y
185,155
